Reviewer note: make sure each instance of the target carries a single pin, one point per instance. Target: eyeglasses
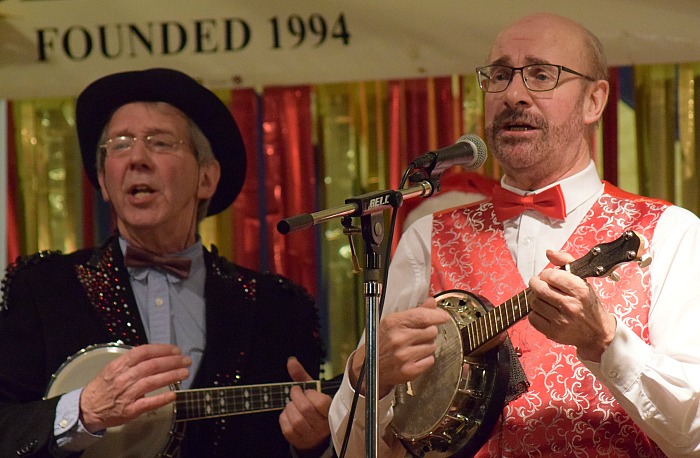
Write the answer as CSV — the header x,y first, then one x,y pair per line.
x,y
537,77
158,143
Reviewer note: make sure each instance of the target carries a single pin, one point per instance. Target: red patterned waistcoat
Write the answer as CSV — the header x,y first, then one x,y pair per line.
x,y
566,412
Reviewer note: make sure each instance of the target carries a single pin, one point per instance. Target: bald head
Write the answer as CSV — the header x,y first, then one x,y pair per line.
x,y
542,136
550,31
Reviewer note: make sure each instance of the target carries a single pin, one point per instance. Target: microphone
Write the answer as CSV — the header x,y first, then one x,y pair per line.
x,y
469,152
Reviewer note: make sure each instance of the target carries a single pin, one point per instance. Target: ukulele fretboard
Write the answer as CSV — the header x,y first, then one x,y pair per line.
x,y
235,400
496,321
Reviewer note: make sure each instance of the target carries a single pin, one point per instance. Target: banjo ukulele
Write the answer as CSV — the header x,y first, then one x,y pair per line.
x,y
451,409
159,433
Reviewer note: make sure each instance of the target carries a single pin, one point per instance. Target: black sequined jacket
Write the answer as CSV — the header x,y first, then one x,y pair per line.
x,y
54,305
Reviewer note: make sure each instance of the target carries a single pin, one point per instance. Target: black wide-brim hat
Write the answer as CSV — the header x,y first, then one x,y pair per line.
x,y
102,98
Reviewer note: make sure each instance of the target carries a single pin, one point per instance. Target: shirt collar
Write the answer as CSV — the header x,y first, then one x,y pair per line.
x,y
577,188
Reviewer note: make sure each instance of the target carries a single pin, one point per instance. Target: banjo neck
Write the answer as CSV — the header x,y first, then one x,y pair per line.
x,y
601,261
195,404
495,321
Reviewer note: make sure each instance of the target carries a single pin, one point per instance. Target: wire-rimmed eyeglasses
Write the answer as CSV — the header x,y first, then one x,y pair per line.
x,y
537,77
162,143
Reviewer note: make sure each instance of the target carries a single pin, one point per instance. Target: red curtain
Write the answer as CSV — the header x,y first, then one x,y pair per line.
x,y
246,234
290,181
424,115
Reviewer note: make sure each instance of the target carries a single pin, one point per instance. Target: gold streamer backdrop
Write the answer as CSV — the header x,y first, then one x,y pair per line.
x,y
353,130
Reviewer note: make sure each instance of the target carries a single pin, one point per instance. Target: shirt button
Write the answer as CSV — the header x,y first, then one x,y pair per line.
x,y
613,375
527,240
159,301
63,423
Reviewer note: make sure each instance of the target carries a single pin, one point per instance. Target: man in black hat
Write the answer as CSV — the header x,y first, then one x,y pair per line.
x,y
91,342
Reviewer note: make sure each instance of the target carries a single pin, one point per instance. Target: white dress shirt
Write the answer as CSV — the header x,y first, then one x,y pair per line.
x,y
658,385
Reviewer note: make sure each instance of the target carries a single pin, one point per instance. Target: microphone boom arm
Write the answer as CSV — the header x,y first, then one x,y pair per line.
x,y
362,205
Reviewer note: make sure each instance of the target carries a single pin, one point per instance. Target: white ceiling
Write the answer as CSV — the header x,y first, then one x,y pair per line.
x,y
388,38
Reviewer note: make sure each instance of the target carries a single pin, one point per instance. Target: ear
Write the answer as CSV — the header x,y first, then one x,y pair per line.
x,y
103,187
209,175
596,99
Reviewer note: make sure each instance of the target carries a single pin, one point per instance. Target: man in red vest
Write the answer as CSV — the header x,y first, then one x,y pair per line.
x,y
612,369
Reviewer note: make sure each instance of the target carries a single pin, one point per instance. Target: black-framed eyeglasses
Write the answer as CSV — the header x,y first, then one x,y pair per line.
x,y
162,143
537,77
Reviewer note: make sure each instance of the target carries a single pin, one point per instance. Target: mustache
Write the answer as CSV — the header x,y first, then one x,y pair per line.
x,y
511,116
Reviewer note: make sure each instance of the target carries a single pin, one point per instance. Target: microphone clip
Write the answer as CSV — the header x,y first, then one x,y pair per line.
x,y
424,174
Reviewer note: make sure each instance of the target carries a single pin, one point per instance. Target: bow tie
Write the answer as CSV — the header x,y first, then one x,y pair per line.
x,y
136,257
549,202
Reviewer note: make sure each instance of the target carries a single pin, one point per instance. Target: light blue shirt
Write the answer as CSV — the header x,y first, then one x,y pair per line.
x,y
172,309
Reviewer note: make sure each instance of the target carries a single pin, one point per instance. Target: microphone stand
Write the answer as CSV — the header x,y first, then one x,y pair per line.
x,y
372,233
368,207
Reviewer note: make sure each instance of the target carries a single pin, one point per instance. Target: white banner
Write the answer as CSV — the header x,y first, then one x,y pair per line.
x,y
56,47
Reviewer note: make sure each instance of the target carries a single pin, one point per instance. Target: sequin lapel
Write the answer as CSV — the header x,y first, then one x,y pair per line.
x,y
106,283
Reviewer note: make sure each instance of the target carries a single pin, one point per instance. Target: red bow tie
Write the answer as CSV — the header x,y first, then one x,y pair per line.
x,y
549,202
137,257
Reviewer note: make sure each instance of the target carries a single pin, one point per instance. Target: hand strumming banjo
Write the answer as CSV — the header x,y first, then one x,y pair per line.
x,y
158,433
452,408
